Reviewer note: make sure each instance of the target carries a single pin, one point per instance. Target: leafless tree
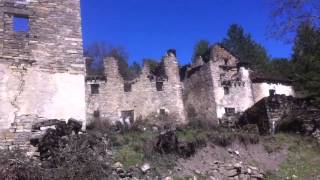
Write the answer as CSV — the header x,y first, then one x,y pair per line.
x,y
287,15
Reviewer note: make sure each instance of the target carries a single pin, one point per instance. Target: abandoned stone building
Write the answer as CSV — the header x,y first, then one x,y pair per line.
x,y
213,89
42,76
111,97
41,63
220,86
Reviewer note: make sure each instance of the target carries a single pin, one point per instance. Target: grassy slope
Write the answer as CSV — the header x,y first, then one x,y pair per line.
x,y
303,158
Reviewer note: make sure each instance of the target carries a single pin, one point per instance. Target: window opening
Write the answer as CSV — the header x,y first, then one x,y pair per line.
x,y
159,86
20,23
94,88
226,90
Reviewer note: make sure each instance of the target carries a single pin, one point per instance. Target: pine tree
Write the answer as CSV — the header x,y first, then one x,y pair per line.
x,y
245,48
306,59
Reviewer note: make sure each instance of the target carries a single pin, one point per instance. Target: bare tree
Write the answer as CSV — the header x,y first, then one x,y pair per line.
x,y
99,50
287,15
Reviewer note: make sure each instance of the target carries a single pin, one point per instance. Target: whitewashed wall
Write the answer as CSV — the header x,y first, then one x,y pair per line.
x,y
261,90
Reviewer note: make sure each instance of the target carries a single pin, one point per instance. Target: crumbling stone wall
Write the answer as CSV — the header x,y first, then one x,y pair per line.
x,y
42,69
283,113
198,94
232,83
143,99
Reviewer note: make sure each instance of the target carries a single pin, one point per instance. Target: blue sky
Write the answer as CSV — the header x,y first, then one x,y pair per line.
x,y
147,28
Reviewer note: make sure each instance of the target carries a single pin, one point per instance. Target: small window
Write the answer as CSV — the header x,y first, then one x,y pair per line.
x,y
96,114
162,112
272,92
20,24
222,76
127,87
226,62
226,90
94,88
230,111
159,86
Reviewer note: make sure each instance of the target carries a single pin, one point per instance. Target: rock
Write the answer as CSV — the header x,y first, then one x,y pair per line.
x,y
294,177
237,165
145,167
168,178
47,127
249,171
117,165
237,153
231,173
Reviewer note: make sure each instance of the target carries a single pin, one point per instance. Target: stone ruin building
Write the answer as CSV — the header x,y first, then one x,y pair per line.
x,y
111,97
42,68
215,89
42,76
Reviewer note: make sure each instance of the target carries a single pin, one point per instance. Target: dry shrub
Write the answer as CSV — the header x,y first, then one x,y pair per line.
x,y
14,165
100,125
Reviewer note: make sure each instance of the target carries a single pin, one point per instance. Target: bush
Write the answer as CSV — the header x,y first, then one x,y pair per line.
x,y
100,125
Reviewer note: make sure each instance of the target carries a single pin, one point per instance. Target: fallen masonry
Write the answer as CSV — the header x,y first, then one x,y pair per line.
x,y
284,113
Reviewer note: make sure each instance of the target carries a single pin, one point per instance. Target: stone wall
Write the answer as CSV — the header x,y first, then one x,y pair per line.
x,y
144,99
232,84
42,68
198,94
283,113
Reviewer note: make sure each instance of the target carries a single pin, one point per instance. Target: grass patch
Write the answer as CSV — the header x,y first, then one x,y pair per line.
x,y
128,156
303,159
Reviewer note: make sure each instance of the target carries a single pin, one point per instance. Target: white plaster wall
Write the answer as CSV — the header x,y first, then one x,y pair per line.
x,y
66,96
6,94
48,95
240,97
261,90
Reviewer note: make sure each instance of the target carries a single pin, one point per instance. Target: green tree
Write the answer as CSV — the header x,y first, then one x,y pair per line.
x,y
200,49
245,48
280,68
306,60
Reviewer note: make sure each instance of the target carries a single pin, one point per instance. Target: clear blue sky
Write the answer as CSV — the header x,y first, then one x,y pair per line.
x,y
147,28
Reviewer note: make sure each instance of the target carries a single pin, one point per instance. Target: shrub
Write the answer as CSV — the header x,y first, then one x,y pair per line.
x,y
100,125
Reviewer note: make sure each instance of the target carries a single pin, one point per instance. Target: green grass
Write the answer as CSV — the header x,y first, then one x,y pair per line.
x,y
303,159
190,135
128,156
129,148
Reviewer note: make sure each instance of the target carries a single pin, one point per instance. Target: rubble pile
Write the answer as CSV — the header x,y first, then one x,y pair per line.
x,y
67,153
283,113
168,142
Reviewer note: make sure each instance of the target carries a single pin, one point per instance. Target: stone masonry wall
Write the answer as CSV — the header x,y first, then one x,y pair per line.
x,y
143,99
42,69
227,74
283,113
198,94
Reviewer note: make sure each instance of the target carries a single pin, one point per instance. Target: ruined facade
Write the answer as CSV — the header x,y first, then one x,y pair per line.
x,y
212,89
219,87
111,97
41,63
42,76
